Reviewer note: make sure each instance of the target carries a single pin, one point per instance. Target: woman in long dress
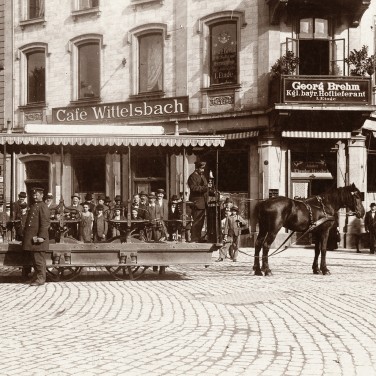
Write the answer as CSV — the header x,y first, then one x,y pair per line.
x,y
86,227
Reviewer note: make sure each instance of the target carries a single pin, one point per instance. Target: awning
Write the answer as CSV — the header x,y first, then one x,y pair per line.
x,y
370,125
112,140
240,135
316,134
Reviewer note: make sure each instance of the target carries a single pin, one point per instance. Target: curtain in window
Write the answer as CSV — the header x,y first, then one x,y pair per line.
x,y
151,63
36,9
36,77
41,8
89,70
85,4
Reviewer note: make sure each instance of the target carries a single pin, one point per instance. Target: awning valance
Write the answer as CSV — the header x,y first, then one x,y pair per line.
x,y
316,134
240,135
112,140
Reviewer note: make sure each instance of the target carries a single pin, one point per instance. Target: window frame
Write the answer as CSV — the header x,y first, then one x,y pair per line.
x,y
204,29
73,48
22,56
133,40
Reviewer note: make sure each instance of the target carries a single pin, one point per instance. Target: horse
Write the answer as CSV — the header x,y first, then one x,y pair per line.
x,y
296,215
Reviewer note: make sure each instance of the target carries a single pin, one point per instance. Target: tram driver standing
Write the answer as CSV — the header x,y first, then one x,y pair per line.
x,y
198,186
35,239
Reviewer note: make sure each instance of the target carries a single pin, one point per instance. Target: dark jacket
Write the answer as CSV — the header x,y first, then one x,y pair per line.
x,y
37,224
198,186
369,222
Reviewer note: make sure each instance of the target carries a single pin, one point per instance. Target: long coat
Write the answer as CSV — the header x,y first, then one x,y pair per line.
x,y
369,222
198,186
37,224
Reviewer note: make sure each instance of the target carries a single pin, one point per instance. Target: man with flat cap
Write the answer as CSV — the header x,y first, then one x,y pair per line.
x,y
35,239
370,227
198,186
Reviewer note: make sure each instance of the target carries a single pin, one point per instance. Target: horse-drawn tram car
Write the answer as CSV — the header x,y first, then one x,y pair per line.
x,y
126,255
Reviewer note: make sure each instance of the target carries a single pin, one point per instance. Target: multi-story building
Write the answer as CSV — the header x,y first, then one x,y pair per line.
x,y
95,82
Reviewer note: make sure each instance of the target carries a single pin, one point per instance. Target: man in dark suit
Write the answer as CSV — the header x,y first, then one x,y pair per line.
x,y
370,227
35,237
16,209
198,186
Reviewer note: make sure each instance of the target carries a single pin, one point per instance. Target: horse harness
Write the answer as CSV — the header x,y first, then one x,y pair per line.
x,y
312,223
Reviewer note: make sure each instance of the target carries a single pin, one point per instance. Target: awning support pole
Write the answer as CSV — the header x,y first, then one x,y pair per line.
x,y
4,219
184,203
129,203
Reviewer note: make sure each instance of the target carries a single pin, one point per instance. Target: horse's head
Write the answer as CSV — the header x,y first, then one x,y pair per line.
x,y
355,201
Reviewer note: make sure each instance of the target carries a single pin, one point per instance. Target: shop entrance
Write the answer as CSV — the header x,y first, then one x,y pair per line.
x,y
37,175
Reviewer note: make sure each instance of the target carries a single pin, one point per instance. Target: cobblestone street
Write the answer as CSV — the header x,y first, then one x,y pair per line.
x,y
221,320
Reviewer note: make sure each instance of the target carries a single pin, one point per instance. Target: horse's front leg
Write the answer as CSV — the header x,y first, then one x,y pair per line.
x,y
256,264
315,265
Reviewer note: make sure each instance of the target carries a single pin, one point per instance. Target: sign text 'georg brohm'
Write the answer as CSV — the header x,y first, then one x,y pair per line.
x,y
349,90
122,111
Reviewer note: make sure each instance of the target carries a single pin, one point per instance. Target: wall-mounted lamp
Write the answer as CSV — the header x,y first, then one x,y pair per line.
x,y
124,61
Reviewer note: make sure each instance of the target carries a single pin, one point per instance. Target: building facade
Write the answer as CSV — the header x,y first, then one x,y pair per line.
x,y
101,92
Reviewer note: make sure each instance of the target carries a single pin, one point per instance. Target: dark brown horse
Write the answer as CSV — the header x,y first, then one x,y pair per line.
x,y
295,215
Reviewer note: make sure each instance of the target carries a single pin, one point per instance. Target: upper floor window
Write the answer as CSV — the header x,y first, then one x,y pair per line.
x,y
150,62
223,53
36,77
88,70
87,4
35,9
313,28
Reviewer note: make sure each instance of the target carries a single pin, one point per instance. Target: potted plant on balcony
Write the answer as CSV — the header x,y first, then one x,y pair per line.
x,y
286,64
360,64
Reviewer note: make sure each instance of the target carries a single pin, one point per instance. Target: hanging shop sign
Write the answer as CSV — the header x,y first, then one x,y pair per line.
x,y
349,90
121,111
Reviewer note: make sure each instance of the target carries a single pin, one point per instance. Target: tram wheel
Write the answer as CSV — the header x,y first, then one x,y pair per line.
x,y
66,273
122,273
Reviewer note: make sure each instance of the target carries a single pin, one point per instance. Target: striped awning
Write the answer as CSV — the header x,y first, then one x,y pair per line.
x,y
112,140
240,135
316,134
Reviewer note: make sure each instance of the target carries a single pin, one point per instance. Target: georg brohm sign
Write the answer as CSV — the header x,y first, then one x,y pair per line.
x,y
326,90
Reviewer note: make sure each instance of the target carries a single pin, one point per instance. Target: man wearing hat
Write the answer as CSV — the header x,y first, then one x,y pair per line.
x,y
16,210
35,238
198,186
143,205
370,226
174,218
75,208
162,203
89,201
157,230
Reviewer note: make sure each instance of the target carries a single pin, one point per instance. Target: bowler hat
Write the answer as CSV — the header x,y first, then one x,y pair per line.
x,y
107,199
200,164
22,195
49,195
117,198
160,190
101,197
235,208
75,195
174,198
143,193
152,195
372,205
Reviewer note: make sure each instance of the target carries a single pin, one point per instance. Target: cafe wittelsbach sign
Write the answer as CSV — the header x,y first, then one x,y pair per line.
x,y
349,90
121,111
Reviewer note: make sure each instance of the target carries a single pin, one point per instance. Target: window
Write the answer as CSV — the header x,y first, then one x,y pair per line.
x,y
35,9
36,77
88,70
150,63
223,53
313,28
87,4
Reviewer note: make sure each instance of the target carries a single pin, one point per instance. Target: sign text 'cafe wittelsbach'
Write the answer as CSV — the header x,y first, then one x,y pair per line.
x,y
122,111
326,90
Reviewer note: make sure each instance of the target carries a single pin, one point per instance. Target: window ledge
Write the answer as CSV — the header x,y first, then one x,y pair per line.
x,y
142,2
85,12
34,21
33,106
219,88
86,100
154,94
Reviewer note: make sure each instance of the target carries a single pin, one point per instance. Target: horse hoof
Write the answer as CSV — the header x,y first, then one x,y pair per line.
x,y
268,273
258,272
326,272
316,272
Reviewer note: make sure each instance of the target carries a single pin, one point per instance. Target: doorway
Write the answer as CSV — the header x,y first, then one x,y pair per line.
x,y
313,57
37,175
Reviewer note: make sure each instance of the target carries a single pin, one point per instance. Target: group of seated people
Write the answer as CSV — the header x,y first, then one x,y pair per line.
x,y
152,217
